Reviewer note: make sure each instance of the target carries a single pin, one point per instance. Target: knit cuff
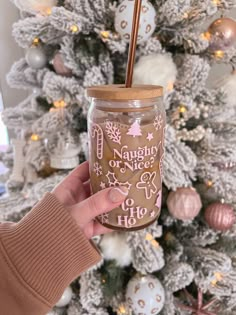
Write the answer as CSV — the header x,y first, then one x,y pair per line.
x,y
48,249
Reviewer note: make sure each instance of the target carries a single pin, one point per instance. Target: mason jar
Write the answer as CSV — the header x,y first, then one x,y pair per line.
x,y
126,129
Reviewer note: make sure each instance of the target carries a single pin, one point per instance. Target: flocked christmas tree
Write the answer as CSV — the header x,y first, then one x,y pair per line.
x,y
186,262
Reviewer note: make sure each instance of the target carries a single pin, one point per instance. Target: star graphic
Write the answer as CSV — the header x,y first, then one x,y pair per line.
x,y
152,214
103,185
150,136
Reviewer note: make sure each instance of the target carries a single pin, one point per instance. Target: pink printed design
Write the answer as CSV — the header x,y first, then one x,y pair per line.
x,y
150,136
102,185
97,132
158,122
113,182
147,183
104,218
135,130
113,132
97,169
163,155
152,214
159,200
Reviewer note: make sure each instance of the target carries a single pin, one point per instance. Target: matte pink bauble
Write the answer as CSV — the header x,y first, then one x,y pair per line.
x,y
220,216
184,204
59,66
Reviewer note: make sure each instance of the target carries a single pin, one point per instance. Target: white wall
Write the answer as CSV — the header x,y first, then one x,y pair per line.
x,y
9,52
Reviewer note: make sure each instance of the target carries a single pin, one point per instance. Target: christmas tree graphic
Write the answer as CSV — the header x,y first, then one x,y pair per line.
x,y
135,130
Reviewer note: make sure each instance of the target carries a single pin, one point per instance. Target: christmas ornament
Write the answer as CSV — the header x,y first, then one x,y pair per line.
x,y
63,150
66,298
36,57
59,66
158,69
228,86
34,6
184,203
124,20
220,216
197,305
221,34
145,295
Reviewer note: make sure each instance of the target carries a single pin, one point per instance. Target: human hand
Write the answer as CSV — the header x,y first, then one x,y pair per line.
x,y
74,193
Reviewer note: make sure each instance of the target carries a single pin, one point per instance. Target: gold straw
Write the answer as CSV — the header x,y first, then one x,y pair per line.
x,y
133,43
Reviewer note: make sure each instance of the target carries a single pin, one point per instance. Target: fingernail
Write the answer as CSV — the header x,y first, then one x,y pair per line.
x,y
118,194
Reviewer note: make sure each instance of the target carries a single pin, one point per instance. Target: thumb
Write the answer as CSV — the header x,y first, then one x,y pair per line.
x,y
102,202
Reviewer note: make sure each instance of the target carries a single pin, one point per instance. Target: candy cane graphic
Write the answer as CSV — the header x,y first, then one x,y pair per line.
x,y
97,132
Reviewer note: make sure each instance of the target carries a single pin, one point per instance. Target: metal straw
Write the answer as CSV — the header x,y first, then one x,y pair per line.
x,y
133,43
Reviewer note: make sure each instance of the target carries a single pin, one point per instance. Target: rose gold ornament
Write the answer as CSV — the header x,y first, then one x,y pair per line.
x,y
184,203
220,216
221,34
59,66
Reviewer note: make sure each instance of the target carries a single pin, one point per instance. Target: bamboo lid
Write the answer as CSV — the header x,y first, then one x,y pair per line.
x,y
119,92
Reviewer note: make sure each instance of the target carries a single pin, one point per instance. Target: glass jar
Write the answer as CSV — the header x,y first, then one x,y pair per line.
x,y
126,147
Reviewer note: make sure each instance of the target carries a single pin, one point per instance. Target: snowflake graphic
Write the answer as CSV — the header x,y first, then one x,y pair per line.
x,y
97,169
113,132
158,122
104,218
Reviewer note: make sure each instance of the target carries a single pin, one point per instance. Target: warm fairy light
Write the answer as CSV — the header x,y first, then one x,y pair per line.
x,y
36,41
103,281
48,11
169,237
122,309
206,36
105,34
209,183
59,104
216,2
149,237
217,277
74,29
170,86
219,54
182,109
185,15
34,137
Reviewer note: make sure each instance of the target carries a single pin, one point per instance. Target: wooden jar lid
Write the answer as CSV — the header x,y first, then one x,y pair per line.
x,y
119,92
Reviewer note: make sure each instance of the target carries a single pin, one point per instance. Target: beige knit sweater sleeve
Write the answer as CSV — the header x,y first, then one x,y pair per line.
x,y
39,257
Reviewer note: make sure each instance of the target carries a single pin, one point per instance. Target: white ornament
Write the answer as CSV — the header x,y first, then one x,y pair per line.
x,y
124,20
158,69
33,6
66,298
145,295
114,247
228,85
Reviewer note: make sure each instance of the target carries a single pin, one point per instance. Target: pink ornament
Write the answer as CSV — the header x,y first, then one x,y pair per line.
x,y
184,203
220,216
59,66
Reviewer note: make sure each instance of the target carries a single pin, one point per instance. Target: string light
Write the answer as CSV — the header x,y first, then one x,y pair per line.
x,y
185,15
122,309
216,2
60,104
48,11
206,36
74,29
36,41
152,240
170,86
182,109
219,54
218,277
34,137
105,34
209,183
103,281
